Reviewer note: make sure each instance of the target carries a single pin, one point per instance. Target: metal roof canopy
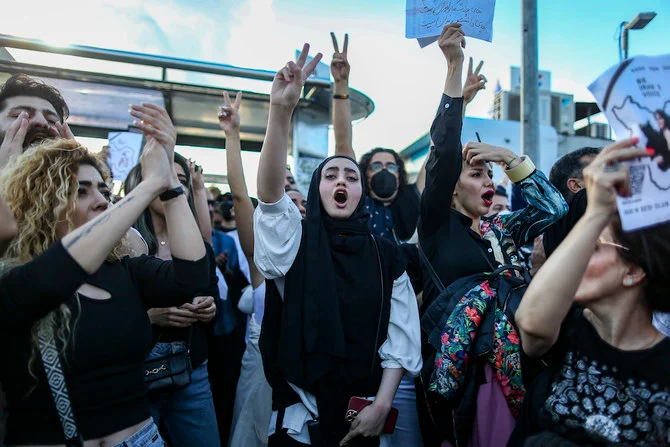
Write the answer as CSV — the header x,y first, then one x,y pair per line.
x,y
99,101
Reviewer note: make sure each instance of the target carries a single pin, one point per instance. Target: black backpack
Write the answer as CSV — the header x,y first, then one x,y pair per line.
x,y
453,419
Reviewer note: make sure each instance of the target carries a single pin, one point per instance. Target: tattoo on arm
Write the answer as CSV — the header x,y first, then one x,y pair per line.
x,y
99,221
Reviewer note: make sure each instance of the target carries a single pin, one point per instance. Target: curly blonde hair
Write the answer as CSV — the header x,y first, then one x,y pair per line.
x,y
40,186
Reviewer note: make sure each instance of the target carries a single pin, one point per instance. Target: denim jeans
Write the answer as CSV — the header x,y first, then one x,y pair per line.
x,y
146,436
186,416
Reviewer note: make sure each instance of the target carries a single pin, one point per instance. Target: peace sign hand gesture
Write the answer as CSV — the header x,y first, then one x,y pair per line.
x,y
474,82
229,114
289,81
339,66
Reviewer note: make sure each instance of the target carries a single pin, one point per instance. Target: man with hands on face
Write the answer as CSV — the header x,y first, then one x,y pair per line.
x,y
30,111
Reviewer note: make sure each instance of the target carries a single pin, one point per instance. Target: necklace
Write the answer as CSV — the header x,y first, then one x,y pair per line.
x,y
163,243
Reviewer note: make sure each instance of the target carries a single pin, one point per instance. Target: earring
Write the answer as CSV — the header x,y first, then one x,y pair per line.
x,y
628,281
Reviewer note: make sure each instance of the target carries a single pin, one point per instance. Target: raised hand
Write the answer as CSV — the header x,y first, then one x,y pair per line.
x,y
61,131
474,82
14,138
229,113
289,81
155,122
476,152
606,178
339,66
452,42
197,182
156,165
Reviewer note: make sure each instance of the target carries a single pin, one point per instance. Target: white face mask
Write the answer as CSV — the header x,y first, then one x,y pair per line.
x,y
503,212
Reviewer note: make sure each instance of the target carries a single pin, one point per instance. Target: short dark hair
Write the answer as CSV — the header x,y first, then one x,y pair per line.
x,y
501,191
367,157
570,166
648,249
23,85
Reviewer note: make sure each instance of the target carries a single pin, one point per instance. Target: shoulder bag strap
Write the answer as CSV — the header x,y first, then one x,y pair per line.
x,y
58,387
431,270
379,321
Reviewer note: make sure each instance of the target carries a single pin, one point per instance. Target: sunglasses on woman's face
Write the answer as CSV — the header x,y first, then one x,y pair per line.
x,y
377,166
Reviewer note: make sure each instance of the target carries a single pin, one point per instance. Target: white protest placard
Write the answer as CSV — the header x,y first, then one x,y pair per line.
x,y
426,18
635,97
124,153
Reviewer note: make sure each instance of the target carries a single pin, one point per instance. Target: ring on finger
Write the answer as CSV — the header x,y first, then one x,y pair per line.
x,y
611,166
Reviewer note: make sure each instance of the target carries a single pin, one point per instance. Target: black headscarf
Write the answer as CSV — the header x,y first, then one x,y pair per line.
x,y
325,334
312,327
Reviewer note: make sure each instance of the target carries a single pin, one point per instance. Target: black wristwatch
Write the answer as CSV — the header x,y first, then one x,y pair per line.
x,y
171,193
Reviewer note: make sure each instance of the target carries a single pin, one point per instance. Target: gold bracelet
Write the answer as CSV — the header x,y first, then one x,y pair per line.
x,y
340,96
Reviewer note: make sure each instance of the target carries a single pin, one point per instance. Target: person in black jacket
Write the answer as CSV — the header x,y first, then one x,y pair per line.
x,y
456,239
186,416
66,276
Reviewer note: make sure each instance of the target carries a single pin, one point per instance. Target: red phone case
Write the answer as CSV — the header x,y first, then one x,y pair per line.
x,y
356,405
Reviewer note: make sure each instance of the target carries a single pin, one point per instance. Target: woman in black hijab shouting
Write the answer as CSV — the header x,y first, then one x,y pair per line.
x,y
348,324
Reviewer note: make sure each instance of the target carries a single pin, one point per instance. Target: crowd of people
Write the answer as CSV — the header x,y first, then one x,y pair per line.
x,y
366,311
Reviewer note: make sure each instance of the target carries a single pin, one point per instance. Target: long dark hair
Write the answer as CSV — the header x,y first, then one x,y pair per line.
x,y
665,117
144,223
648,249
366,158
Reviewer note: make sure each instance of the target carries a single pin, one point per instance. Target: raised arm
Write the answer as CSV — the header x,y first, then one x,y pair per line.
x,y
183,233
284,96
339,67
445,161
229,120
200,200
540,314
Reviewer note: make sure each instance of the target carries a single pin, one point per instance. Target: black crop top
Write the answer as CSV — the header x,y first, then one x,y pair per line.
x,y
103,363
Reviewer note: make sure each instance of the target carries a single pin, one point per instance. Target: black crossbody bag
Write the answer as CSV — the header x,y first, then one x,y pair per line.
x,y
170,372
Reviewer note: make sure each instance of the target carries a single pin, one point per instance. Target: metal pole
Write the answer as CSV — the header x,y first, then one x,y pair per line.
x,y
530,98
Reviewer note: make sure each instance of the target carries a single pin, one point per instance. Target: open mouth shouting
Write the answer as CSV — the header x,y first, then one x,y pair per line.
x,y
35,136
341,197
487,197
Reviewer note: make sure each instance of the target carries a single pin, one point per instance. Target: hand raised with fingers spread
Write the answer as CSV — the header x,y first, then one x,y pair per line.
x,y
15,136
605,178
229,114
61,131
289,81
474,82
339,66
452,42
155,122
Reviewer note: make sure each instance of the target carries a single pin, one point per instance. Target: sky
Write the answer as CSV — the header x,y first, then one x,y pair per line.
x,y
577,42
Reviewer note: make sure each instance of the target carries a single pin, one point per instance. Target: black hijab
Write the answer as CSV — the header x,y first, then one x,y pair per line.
x,y
325,334
312,337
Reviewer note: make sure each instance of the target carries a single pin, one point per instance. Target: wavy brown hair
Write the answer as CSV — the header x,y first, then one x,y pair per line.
x,y
40,186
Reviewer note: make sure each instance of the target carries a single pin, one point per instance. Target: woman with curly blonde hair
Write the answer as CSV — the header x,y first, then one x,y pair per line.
x,y
70,279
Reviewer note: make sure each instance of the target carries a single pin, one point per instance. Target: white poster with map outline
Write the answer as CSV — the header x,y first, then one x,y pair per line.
x,y
635,97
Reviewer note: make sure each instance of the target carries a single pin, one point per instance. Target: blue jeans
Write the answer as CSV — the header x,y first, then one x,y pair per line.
x,y
186,416
146,436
